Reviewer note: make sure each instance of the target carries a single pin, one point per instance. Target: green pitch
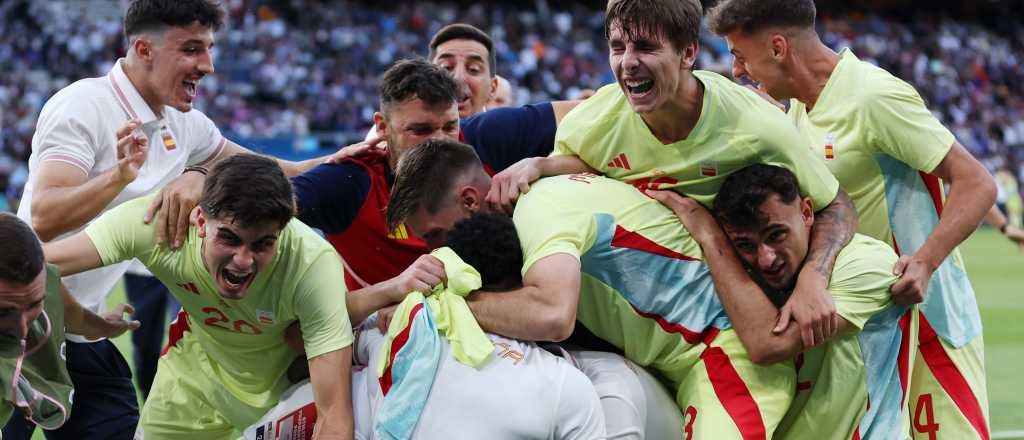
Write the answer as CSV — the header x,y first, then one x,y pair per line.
x,y
997,272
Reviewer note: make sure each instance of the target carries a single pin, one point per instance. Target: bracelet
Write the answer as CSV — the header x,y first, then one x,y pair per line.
x,y
196,168
1002,229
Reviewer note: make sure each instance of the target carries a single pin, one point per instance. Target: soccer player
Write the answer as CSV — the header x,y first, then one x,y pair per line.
x,y
602,252
34,310
888,151
245,272
346,200
100,142
850,386
665,125
522,391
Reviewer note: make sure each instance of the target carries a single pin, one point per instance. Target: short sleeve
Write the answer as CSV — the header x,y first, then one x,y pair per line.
x,y
119,234
65,133
579,415
319,303
784,147
202,136
330,196
861,279
901,126
544,232
507,135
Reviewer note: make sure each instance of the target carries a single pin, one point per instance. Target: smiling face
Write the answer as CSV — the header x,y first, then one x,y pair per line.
x,y
175,60
776,247
648,69
234,255
753,59
467,61
20,305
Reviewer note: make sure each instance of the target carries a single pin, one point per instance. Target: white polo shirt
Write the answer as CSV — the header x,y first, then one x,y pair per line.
x,y
78,126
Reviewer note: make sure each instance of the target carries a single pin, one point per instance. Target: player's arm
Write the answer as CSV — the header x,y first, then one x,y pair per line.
x,y
751,312
544,309
508,185
562,108
85,322
999,221
421,276
331,376
65,198
73,254
972,192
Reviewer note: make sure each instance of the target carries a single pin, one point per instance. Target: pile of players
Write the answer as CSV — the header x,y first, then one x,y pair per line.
x,y
718,265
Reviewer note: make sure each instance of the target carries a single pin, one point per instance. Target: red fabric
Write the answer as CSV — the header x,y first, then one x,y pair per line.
x,y
950,378
690,336
396,345
903,359
934,186
176,331
734,394
628,239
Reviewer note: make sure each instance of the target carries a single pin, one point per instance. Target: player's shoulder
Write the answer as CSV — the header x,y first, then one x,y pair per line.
x,y
602,109
865,254
865,83
81,98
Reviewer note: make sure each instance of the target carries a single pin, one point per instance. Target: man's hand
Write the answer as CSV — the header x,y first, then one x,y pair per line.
x,y
177,199
372,147
384,317
912,285
1015,235
507,185
422,275
114,324
813,309
131,152
698,221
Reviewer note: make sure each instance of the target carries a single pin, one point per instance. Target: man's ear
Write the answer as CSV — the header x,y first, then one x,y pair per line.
x,y
381,124
494,88
470,199
200,222
807,210
689,58
779,46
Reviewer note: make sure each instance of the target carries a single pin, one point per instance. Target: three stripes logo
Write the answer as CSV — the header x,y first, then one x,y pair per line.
x,y
189,287
400,233
619,161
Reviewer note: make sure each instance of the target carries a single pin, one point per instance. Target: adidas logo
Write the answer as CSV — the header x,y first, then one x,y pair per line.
x,y
620,162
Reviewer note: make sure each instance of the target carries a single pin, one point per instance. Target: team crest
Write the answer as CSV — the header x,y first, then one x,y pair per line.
x,y
708,169
830,146
169,143
265,317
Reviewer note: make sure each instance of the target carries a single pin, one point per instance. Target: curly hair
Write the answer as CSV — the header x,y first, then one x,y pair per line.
x,y
490,244
739,200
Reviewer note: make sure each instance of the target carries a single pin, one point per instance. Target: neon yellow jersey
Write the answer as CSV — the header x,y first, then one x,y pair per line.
x,y
244,338
836,381
644,288
736,128
873,131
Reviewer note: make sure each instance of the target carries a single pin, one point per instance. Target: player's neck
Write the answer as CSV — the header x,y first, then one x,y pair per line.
x,y
136,76
813,66
674,120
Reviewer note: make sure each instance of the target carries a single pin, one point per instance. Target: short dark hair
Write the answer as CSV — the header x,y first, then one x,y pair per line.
x,y
248,189
463,31
152,15
490,244
425,175
22,258
739,200
753,15
678,21
416,78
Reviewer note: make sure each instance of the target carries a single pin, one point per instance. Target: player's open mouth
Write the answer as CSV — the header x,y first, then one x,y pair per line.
x,y
639,88
190,89
233,279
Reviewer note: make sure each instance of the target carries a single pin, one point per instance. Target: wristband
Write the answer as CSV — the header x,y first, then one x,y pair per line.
x,y
196,168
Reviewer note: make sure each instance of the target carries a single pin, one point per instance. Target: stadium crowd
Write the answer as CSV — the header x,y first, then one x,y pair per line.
x,y
274,79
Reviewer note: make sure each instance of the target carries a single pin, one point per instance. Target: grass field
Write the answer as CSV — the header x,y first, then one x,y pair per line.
x,y
997,273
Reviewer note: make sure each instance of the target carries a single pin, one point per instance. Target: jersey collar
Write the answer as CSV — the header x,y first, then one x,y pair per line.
x,y
128,96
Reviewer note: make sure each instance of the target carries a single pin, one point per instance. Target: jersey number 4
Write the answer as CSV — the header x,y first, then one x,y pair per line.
x,y
217,318
928,425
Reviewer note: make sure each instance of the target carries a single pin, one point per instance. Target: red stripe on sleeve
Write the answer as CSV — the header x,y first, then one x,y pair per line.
x,y
396,345
950,378
734,394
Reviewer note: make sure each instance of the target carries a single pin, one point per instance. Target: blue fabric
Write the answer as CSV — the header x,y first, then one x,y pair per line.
x,y
154,308
507,135
879,346
330,196
105,405
413,369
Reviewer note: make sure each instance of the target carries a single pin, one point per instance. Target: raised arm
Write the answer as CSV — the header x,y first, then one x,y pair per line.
x,y
544,309
331,376
422,275
82,321
73,254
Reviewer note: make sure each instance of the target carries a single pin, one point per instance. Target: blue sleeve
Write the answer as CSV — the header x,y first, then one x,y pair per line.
x,y
505,136
330,195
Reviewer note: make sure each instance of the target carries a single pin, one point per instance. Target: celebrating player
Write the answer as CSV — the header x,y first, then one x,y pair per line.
x,y
665,125
891,155
244,273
